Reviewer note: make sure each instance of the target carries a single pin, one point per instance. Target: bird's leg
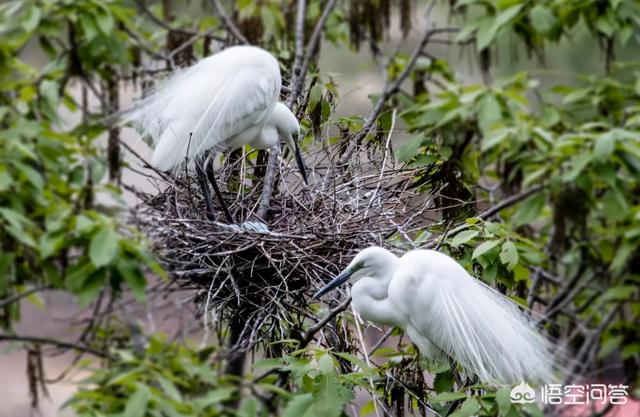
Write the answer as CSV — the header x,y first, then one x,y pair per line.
x,y
202,180
212,180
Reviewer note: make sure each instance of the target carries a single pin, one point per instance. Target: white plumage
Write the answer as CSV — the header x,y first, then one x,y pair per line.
x,y
221,103
445,310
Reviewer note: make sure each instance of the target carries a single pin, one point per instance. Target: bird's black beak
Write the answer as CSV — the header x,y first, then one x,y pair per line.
x,y
300,161
336,282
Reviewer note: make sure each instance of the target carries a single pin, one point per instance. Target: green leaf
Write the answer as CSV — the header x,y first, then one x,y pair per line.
x,y
578,164
5,180
91,287
133,276
619,293
169,388
31,18
484,248
509,254
494,137
486,32
315,95
542,19
604,146
215,396
503,399
529,209
325,364
447,397
330,396
76,275
630,350
463,237
105,21
103,247
407,151
576,95
507,15
298,405
88,25
468,408
33,176
615,205
443,382
489,113
248,408
137,403
610,345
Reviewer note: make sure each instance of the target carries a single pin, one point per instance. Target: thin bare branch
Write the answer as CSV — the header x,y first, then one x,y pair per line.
x,y
311,331
54,342
391,88
228,22
20,296
510,201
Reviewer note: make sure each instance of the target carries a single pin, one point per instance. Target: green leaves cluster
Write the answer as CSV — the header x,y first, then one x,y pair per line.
x,y
166,379
172,379
538,22
53,230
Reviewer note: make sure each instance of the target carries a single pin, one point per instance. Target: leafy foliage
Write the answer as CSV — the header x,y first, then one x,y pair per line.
x,y
537,188
53,232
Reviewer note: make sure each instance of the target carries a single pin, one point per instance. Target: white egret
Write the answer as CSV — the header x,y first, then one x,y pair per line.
x,y
443,309
222,103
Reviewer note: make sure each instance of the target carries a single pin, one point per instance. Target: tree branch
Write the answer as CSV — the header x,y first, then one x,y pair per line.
x,y
159,22
311,331
54,342
508,202
391,88
228,23
296,88
20,296
272,164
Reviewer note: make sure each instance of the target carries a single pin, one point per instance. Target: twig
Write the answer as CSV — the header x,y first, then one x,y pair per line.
x,y
54,342
311,48
159,22
380,341
228,23
271,171
508,202
311,331
19,296
390,89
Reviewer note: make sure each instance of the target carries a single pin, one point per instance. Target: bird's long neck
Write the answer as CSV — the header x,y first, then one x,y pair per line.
x,y
267,138
371,297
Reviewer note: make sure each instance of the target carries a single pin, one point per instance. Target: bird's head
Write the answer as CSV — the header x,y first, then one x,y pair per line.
x,y
374,262
288,128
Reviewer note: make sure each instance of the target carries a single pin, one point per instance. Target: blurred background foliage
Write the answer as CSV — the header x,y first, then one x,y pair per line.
x,y
537,169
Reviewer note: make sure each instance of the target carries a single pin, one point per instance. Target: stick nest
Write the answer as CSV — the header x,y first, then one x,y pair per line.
x,y
262,282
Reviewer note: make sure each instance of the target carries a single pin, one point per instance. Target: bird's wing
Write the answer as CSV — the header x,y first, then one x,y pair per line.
x,y
481,329
203,106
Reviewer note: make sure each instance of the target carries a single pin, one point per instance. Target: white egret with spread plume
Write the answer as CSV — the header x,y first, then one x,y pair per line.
x,y
222,103
443,309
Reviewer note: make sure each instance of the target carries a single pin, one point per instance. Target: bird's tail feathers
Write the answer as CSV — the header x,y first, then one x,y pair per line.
x,y
491,337
180,124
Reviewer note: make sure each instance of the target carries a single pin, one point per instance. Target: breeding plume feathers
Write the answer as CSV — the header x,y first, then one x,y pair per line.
x,y
206,106
477,326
